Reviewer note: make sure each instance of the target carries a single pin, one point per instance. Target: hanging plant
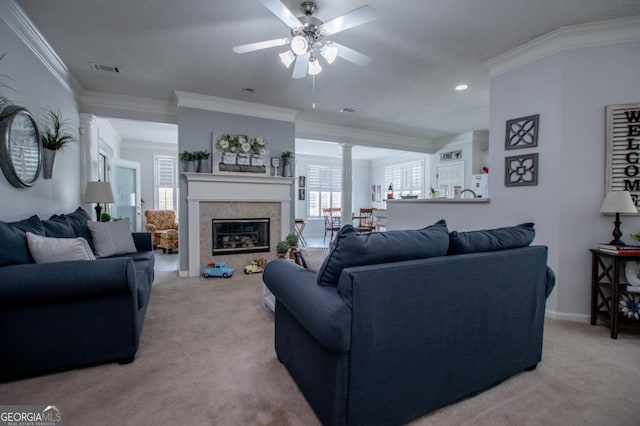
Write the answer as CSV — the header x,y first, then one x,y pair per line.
x,y
56,136
4,101
57,133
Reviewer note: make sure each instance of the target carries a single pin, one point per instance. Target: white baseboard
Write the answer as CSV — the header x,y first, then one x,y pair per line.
x,y
567,317
184,274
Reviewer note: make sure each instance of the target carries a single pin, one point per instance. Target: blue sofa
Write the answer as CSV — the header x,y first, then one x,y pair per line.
x,y
397,324
61,315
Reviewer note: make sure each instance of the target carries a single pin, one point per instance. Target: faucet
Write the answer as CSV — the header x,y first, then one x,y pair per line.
x,y
468,190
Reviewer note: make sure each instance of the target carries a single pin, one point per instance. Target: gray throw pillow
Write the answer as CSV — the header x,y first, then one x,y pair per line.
x,y
111,238
353,249
49,249
491,239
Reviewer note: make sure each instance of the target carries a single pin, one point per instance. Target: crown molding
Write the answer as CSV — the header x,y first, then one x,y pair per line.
x,y
153,146
233,106
356,136
13,15
123,106
594,34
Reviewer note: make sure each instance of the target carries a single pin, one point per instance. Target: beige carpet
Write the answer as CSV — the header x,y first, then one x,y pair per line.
x,y
206,358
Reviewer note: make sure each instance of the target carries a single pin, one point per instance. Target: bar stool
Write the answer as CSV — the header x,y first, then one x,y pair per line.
x,y
299,227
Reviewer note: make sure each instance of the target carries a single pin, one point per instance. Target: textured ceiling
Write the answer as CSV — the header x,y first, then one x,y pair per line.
x,y
420,50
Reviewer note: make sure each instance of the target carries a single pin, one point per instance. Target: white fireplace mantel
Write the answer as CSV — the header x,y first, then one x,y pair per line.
x,y
232,187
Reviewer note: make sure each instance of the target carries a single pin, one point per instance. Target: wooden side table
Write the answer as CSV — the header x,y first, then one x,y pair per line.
x,y
606,290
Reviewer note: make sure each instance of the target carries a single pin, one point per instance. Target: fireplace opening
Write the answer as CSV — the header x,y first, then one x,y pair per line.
x,y
232,236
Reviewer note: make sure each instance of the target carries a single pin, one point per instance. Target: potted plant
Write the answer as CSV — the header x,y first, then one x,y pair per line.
x,y
188,158
292,240
282,248
286,156
202,160
56,135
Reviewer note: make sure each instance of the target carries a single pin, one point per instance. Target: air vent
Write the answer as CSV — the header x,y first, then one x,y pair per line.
x,y
108,68
347,109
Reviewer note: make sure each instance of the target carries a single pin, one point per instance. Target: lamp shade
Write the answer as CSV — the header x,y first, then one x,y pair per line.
x,y
618,202
99,192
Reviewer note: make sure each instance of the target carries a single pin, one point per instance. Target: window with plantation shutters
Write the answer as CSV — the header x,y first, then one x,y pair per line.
x,y
406,178
166,183
324,188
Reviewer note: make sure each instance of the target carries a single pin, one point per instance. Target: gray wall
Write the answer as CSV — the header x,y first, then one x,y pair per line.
x,y
195,129
37,90
570,92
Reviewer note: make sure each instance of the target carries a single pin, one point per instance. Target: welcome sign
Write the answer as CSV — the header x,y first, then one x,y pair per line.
x,y
623,150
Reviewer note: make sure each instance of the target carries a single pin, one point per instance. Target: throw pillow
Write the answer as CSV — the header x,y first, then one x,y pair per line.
x,y
14,249
58,227
491,239
111,238
313,257
48,249
353,249
78,221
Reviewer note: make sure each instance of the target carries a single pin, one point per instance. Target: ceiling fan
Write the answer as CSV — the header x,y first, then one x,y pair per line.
x,y
307,42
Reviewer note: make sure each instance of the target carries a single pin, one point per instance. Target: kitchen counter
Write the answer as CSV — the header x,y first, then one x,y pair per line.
x,y
418,213
441,200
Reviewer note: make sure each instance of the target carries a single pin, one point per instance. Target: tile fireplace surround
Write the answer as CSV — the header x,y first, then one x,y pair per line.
x,y
234,196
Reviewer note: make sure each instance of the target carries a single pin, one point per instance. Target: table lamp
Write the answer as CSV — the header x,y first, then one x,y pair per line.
x,y
98,192
618,202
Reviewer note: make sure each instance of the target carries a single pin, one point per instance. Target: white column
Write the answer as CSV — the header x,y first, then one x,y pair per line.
x,y
347,183
89,142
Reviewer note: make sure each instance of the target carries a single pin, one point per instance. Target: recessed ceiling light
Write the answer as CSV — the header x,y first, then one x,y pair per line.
x,y
347,109
462,86
248,89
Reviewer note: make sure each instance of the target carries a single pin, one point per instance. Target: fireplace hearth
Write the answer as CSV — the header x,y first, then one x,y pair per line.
x,y
233,236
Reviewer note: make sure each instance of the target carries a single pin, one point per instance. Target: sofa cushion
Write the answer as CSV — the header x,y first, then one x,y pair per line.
x,y
14,249
491,239
58,227
353,249
47,249
111,238
313,257
78,220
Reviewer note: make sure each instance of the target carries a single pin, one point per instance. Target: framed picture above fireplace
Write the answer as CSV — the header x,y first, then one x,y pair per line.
x,y
239,153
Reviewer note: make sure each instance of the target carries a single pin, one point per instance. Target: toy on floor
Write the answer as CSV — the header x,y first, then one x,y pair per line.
x,y
217,269
256,266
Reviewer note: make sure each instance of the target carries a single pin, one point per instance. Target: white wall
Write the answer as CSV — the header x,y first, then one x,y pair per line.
x,y
35,88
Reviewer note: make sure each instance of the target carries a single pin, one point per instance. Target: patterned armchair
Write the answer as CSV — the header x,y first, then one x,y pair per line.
x,y
164,229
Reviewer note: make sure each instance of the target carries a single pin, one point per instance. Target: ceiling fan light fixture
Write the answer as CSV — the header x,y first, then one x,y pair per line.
x,y
299,45
287,58
329,52
314,67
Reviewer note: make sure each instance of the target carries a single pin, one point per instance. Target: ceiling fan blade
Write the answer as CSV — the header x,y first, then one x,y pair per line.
x,y
282,12
352,55
356,17
260,45
300,67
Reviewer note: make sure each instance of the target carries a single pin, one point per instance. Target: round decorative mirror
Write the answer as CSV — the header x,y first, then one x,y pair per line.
x,y
20,147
